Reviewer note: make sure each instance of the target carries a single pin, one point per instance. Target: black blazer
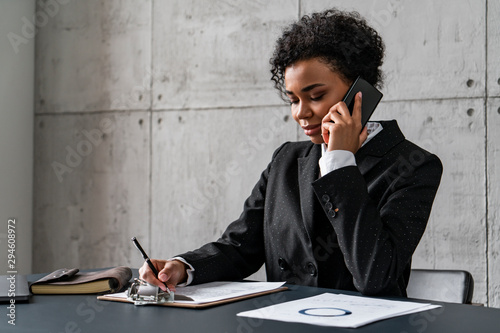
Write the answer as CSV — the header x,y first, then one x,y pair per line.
x,y
355,228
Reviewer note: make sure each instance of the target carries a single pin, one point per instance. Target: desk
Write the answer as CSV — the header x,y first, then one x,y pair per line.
x,y
84,313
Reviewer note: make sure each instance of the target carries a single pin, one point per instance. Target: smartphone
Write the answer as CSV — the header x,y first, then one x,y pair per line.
x,y
371,97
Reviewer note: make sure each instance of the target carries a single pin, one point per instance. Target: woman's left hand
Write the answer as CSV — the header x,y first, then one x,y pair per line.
x,y
340,130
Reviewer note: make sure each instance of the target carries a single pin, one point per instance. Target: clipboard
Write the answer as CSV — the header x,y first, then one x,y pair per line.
x,y
199,304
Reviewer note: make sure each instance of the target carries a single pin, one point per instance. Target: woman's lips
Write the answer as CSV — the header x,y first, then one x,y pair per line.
x,y
312,129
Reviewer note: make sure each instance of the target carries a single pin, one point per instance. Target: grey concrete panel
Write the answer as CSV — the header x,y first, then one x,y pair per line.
x,y
94,56
17,69
205,164
493,48
434,49
455,131
493,156
216,53
92,190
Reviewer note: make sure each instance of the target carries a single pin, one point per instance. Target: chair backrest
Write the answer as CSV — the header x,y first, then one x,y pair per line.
x,y
454,286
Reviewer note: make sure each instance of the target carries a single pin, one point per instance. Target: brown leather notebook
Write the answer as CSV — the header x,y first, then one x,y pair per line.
x,y
71,281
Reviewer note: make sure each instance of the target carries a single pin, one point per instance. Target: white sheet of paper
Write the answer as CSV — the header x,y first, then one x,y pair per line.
x,y
215,291
337,310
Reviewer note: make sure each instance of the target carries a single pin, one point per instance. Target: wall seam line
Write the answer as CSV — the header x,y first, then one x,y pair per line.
x,y
486,178
150,111
222,108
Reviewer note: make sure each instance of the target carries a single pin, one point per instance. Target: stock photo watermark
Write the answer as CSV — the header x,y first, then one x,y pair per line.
x,y
247,150
11,270
405,168
126,101
249,324
85,147
87,310
383,17
421,320
46,10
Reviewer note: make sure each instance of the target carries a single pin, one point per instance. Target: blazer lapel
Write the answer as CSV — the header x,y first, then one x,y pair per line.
x,y
370,154
308,173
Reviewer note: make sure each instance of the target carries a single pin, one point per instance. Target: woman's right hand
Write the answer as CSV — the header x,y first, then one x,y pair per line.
x,y
341,130
171,272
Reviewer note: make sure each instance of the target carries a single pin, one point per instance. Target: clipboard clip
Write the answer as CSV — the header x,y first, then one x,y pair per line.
x,y
142,293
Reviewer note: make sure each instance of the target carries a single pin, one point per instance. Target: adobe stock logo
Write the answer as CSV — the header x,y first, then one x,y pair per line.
x,y
46,10
84,147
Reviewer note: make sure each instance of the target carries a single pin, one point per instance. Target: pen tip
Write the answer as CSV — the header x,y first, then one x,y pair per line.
x,y
133,238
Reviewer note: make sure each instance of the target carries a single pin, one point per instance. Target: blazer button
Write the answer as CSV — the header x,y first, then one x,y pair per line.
x,y
311,268
332,212
329,205
325,198
282,264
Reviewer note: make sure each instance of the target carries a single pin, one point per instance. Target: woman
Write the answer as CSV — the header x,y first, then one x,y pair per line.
x,y
344,210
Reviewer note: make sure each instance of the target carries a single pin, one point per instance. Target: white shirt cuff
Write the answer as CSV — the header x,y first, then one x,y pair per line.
x,y
189,271
335,159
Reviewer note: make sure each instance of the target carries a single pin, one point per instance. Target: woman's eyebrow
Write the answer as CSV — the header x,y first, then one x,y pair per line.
x,y
312,86
306,89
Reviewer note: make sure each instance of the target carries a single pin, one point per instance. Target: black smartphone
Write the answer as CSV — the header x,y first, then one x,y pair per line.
x,y
371,97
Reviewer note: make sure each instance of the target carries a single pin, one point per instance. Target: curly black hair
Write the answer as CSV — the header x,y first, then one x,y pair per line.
x,y
342,40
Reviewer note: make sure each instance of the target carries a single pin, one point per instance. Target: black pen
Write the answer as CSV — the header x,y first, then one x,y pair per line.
x,y
150,264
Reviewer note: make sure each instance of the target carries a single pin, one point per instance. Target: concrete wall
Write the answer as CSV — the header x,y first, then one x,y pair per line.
x,y
155,118
17,68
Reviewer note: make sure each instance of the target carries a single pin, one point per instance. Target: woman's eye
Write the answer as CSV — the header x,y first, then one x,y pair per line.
x,y
293,102
318,98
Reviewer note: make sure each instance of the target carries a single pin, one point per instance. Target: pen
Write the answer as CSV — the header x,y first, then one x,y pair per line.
x,y
150,264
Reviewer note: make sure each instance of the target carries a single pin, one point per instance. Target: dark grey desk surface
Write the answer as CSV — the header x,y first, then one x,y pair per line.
x,y
84,313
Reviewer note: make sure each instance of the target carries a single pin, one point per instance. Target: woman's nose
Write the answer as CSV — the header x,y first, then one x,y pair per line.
x,y
303,110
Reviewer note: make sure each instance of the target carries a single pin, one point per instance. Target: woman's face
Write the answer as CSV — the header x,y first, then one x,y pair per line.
x,y
313,88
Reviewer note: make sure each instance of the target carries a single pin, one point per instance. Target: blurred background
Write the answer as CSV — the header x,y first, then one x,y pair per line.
x,y
155,118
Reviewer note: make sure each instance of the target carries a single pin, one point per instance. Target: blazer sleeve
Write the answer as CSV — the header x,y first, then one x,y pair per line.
x,y
240,250
379,229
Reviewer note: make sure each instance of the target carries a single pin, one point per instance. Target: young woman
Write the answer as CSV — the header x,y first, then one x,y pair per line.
x,y
346,209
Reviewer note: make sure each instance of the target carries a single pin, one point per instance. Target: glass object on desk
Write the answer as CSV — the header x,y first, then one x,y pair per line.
x,y
142,293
